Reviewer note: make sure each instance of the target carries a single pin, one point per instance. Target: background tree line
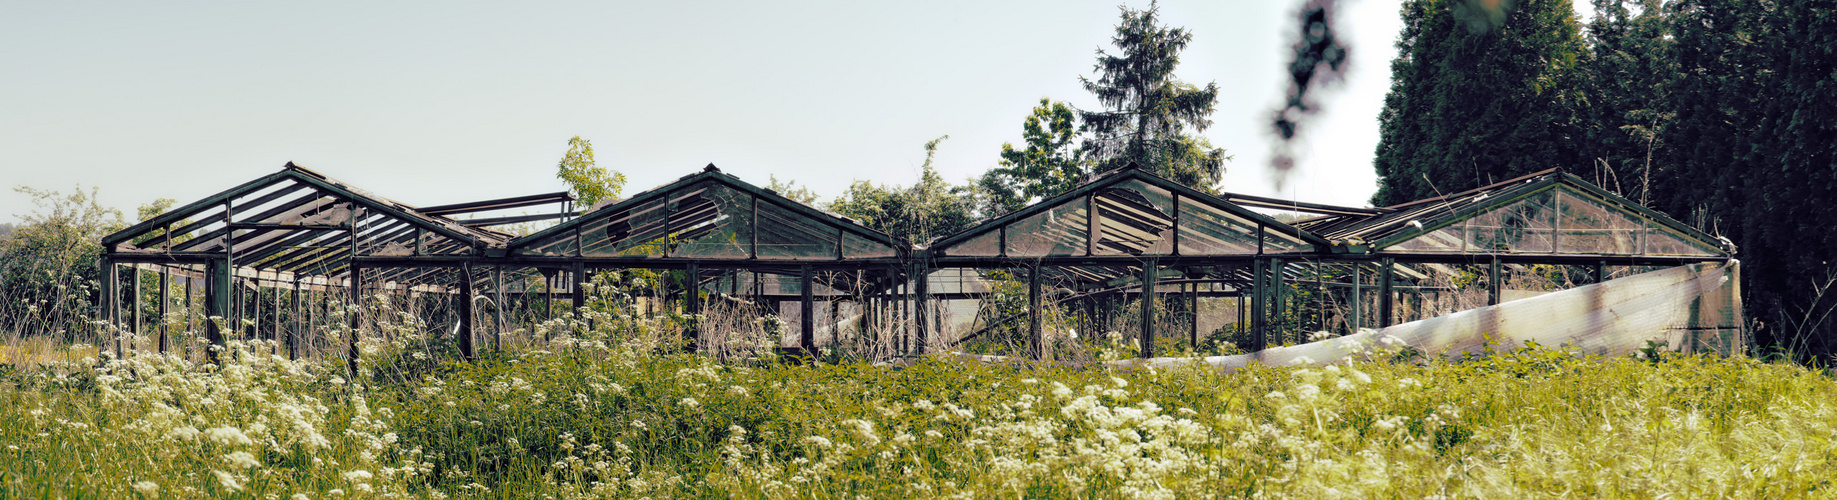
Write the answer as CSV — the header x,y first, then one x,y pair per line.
x,y
1720,112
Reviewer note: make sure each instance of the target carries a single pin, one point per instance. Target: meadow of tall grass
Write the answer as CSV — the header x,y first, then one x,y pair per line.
x,y
607,409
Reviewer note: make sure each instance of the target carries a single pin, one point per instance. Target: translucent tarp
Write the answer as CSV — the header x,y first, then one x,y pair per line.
x,y
1692,309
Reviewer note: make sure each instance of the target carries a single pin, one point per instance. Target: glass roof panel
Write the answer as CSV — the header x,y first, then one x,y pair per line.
x,y
1661,240
1588,226
1207,230
983,245
1134,218
784,234
1275,241
1525,226
1059,231
857,247
711,221
634,231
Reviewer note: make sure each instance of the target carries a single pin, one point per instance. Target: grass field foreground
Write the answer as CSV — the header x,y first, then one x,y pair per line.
x,y
593,418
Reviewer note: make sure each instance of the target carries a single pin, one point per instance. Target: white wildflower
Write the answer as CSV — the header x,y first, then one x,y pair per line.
x,y
228,436
227,481
358,475
147,488
241,460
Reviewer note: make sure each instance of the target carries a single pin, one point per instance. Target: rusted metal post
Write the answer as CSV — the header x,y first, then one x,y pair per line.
x,y
1386,305
1357,306
1036,341
1493,275
1149,276
807,315
692,300
466,336
165,306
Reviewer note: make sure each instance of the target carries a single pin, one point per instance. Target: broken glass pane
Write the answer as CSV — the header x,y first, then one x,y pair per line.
x,y
1525,226
1134,219
1277,241
784,234
628,231
1059,231
1448,239
712,222
1208,230
560,244
1593,227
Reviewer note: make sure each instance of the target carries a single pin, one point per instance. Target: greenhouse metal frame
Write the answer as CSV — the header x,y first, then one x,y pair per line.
x,y
317,246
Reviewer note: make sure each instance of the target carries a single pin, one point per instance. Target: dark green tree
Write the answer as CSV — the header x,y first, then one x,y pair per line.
x,y
1480,92
1149,116
1050,163
1627,78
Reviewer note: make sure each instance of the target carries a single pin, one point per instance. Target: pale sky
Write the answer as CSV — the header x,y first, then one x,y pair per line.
x,y
432,103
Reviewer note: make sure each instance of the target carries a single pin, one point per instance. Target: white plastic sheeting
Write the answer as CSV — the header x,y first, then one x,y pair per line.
x,y
1693,308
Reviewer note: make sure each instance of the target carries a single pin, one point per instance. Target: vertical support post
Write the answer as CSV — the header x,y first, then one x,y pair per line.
x,y
1149,276
1358,299
1276,298
190,309
1259,288
497,303
1193,306
165,306
1320,299
1493,275
1242,312
108,298
578,294
1600,271
692,300
139,276
921,301
217,288
300,310
255,316
807,315
1036,339
356,312
1386,303
1092,227
277,311
466,337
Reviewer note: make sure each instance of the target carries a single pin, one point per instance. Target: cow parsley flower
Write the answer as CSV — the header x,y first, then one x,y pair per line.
x,y
241,460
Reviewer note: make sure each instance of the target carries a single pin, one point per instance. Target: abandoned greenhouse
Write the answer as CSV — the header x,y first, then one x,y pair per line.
x,y
1128,255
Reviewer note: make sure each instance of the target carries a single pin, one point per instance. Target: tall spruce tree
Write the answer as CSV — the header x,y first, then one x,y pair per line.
x,y
1480,92
1147,113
